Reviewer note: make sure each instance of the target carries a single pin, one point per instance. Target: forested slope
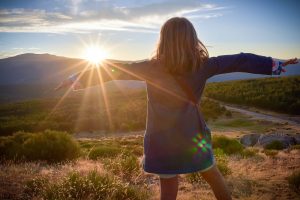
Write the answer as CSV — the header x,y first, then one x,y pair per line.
x,y
280,94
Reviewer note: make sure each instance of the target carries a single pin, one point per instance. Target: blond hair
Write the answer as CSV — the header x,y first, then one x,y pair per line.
x,y
179,48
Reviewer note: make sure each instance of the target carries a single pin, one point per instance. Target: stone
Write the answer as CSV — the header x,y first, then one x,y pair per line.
x,y
297,138
249,139
286,140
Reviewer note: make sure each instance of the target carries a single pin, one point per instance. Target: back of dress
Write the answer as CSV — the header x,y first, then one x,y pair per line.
x,y
174,128
177,140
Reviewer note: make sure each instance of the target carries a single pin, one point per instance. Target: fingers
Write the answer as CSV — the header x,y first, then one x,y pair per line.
x,y
295,61
58,87
290,61
62,85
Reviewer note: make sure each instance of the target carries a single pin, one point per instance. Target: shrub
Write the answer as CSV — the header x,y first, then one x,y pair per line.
x,y
11,146
86,145
223,168
246,153
135,149
211,109
228,113
50,146
270,152
294,181
34,187
229,146
195,178
297,146
276,145
222,161
90,186
222,164
104,152
125,165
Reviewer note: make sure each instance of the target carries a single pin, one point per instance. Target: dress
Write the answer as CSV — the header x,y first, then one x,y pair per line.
x,y
176,140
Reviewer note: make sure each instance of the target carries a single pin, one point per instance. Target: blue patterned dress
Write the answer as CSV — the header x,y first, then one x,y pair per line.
x,y
176,139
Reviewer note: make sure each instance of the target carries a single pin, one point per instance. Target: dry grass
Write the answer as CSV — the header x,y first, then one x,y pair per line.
x,y
257,177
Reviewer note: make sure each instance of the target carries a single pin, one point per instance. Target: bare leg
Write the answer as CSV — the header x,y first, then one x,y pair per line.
x,y
168,188
217,182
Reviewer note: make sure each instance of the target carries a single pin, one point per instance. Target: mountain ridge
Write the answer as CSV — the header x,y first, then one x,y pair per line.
x,y
31,75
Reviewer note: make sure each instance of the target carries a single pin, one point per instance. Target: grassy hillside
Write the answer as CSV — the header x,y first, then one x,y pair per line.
x,y
85,111
280,94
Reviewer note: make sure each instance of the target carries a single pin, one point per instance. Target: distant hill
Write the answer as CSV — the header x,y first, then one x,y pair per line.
x,y
37,68
30,76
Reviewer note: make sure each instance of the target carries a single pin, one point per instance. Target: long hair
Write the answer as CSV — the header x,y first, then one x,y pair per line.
x,y
179,49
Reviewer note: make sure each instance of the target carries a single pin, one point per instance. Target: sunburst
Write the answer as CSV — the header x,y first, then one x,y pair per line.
x,y
95,54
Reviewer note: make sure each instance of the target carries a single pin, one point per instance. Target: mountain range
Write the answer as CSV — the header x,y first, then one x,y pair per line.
x,y
28,76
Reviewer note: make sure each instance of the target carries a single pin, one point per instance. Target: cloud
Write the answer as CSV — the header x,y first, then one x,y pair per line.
x,y
18,50
30,20
85,16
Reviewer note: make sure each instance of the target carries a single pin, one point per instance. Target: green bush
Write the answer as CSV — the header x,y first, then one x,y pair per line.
x,y
297,146
90,186
222,161
195,178
137,150
125,165
294,181
11,146
222,164
229,146
104,152
50,146
246,153
275,145
270,152
228,113
211,109
33,187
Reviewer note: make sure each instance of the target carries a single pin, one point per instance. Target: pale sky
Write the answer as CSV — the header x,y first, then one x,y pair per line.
x,y
129,30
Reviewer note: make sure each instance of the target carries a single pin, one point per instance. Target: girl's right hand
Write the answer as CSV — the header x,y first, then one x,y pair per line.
x,y
290,62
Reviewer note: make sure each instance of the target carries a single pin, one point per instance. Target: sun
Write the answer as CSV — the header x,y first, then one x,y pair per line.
x,y
95,54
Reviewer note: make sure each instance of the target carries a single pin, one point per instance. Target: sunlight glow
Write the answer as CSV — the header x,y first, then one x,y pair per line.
x,y
95,54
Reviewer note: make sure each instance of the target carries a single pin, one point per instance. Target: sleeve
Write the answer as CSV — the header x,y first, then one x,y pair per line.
x,y
277,67
108,72
243,62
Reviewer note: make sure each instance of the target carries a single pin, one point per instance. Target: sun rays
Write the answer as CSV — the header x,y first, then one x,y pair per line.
x,y
94,63
95,54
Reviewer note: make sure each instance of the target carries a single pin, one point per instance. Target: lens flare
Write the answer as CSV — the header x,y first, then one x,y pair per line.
x,y
201,144
95,54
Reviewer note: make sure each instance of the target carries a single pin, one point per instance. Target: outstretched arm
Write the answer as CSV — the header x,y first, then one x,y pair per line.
x,y
245,62
104,73
278,66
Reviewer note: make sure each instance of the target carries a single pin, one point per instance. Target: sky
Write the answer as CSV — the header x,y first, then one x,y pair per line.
x,y
129,30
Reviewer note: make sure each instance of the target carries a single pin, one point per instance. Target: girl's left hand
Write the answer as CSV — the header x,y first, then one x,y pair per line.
x,y
290,62
64,84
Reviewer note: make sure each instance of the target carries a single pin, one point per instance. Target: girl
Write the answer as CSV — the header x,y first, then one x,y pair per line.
x,y
177,139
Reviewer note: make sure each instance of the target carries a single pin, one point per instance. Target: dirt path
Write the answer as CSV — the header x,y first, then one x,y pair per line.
x,y
264,115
